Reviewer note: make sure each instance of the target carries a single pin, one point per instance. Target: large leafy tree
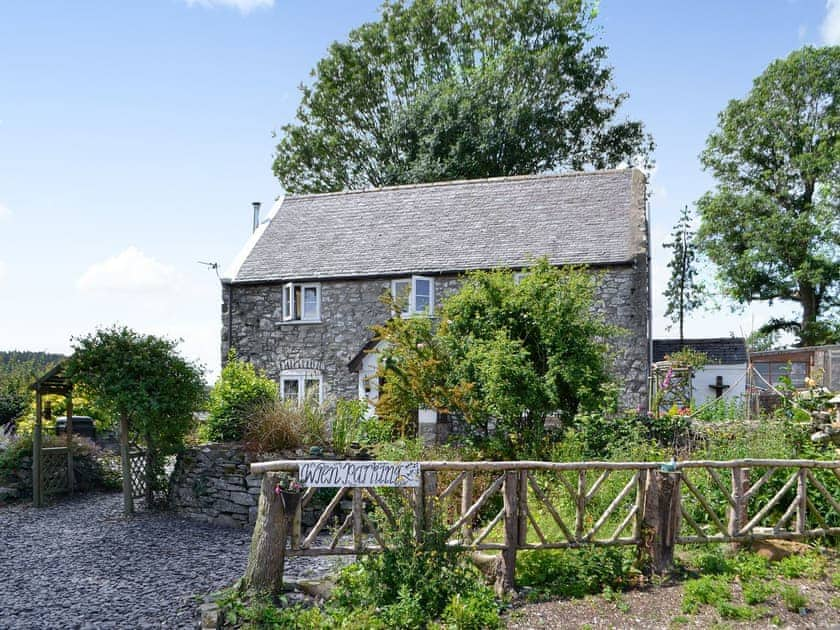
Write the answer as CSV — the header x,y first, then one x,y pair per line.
x,y
449,89
772,226
501,353
685,291
142,380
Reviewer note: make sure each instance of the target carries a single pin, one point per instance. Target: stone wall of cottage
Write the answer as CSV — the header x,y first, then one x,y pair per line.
x,y
350,307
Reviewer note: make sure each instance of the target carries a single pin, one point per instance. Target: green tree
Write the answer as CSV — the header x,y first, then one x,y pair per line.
x,y
511,352
459,89
142,380
684,292
238,393
772,226
18,369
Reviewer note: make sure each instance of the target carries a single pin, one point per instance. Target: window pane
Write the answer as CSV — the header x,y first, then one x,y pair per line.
x,y
298,302
402,293
764,370
291,388
310,303
312,387
287,301
796,371
422,295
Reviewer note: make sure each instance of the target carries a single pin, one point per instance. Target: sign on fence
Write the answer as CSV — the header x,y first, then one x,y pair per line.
x,y
359,474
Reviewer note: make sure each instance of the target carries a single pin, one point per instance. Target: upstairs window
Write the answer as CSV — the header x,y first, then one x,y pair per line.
x,y
416,295
301,302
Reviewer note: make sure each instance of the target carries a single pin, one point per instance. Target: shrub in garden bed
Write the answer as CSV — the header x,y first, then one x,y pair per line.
x,y
285,424
575,572
410,585
240,390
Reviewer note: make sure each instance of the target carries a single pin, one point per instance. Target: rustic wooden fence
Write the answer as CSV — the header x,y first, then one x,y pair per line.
x,y
525,505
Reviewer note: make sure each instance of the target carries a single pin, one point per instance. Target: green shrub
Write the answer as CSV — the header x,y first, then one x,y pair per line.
x,y
347,426
412,583
728,610
474,610
751,566
758,592
373,430
239,391
573,572
810,565
835,580
793,598
285,424
711,590
714,562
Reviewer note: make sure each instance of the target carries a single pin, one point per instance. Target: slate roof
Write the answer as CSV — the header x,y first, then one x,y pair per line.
x,y
592,218
723,351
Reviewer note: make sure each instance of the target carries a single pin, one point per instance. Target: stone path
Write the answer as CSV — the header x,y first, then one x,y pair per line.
x,y
81,564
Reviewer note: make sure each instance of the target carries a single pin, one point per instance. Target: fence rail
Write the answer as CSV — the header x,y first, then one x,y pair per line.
x,y
527,505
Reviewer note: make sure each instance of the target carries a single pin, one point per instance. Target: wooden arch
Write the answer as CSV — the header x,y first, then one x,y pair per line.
x,y
53,382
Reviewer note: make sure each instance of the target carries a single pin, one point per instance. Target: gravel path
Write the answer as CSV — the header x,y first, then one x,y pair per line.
x,y
81,564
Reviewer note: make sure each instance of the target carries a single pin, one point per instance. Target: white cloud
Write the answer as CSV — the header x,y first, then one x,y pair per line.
x,y
2,272
130,270
830,27
244,6
5,213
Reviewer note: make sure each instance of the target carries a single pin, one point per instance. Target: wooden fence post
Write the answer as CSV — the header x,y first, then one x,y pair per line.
x,y
430,494
297,517
522,533
466,503
505,576
267,554
71,473
37,455
661,520
419,509
738,509
802,498
358,506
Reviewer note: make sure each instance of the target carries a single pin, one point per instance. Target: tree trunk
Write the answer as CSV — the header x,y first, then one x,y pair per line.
x,y
810,310
149,471
128,493
268,542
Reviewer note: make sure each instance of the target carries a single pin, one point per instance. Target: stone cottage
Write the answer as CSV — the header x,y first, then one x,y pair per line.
x,y
301,297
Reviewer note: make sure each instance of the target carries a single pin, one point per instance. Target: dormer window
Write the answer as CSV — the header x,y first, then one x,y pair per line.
x,y
301,302
415,294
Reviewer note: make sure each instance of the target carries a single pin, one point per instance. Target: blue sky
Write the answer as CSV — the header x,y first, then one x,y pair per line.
x,y
135,134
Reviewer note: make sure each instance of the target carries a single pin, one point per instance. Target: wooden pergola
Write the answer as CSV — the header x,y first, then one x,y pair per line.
x,y
53,382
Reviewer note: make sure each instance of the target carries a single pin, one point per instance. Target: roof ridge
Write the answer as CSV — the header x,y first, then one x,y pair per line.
x,y
462,182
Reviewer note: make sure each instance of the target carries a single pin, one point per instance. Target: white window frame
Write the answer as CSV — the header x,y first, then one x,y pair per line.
x,y
412,304
301,376
288,299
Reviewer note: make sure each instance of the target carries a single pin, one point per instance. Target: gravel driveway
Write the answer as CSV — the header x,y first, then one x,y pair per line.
x,y
81,564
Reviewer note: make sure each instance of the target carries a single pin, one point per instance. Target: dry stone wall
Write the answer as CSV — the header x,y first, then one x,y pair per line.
x,y
212,483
